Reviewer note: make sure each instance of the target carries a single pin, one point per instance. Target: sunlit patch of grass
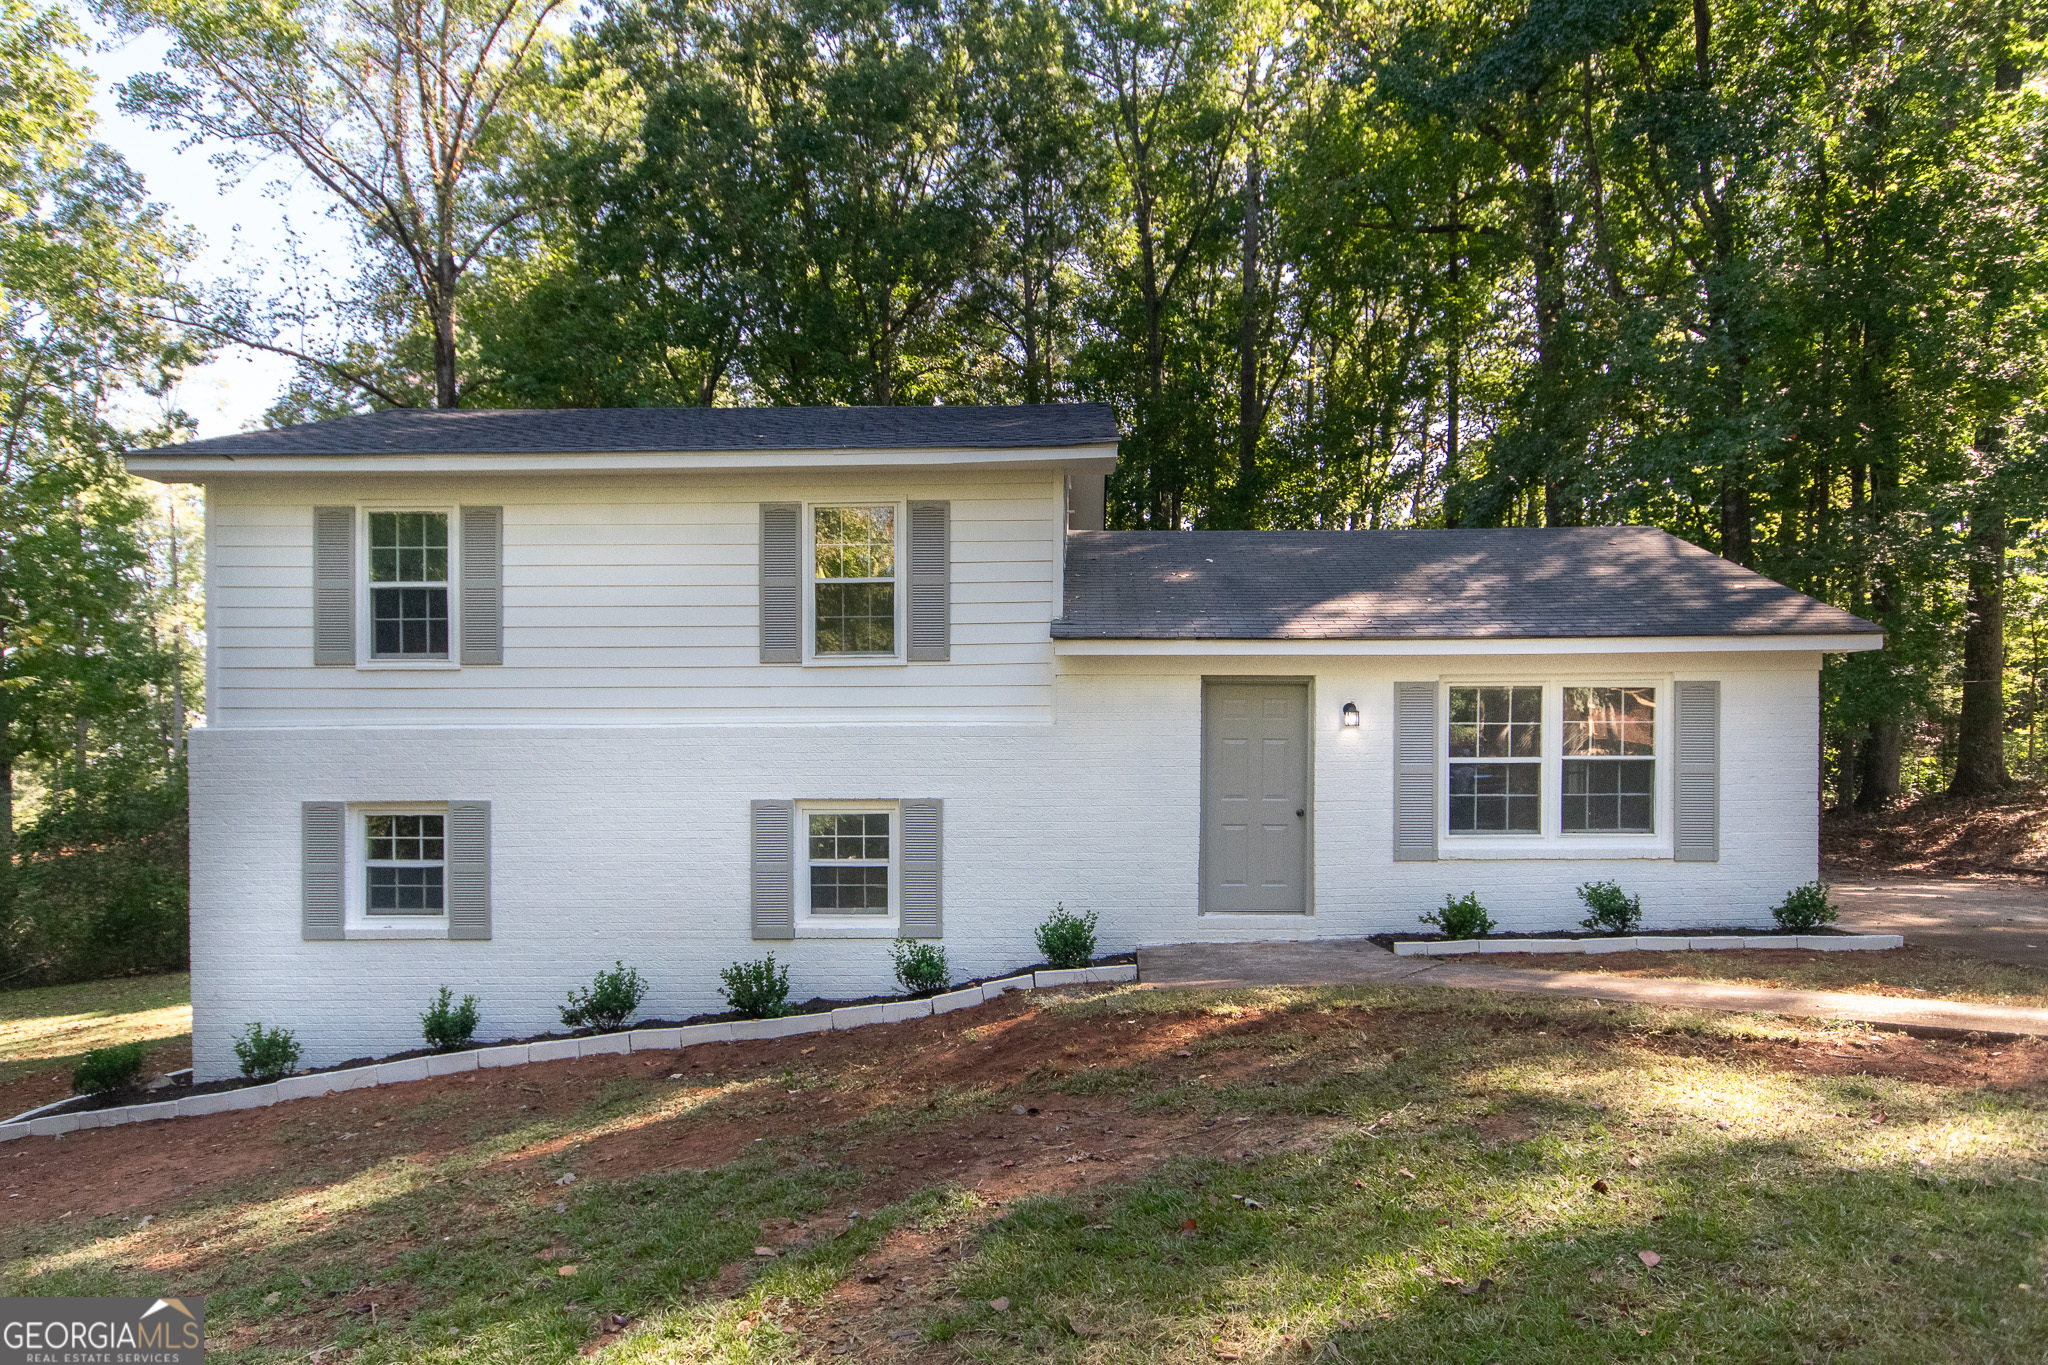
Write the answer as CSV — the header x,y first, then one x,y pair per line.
x,y
60,1023
1358,1149
1913,971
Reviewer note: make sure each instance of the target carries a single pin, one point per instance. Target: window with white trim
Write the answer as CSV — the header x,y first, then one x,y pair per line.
x,y
1610,760
408,568
849,862
1495,753
404,864
854,602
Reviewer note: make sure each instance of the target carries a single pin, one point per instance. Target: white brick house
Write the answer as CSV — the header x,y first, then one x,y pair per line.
x,y
496,698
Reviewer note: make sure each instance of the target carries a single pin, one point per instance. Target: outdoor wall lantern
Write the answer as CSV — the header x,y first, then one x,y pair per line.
x,y
1350,715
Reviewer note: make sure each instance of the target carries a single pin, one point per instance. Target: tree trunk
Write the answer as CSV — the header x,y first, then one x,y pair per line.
x,y
442,302
1546,259
1878,777
1454,510
1980,729
1251,417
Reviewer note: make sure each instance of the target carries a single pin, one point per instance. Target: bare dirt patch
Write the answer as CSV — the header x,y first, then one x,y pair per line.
x,y
1971,837
817,1089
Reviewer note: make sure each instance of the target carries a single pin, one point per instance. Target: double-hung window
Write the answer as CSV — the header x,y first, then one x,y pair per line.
x,y
853,587
851,868
404,865
1530,763
408,585
1496,760
1610,759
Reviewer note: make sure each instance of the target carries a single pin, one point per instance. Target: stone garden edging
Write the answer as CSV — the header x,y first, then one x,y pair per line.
x,y
1652,943
36,1123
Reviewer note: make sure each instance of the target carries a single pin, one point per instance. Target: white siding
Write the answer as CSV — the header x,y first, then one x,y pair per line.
x,y
633,600
631,842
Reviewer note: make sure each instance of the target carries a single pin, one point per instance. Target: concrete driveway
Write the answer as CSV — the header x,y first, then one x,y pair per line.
x,y
2004,919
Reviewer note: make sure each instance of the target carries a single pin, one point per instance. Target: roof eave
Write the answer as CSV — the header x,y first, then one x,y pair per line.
x,y
1076,646
176,465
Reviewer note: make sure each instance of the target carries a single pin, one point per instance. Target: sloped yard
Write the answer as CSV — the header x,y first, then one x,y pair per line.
x,y
1363,1174
44,1032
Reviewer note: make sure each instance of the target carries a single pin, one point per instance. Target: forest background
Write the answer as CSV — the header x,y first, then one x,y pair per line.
x,y
1771,276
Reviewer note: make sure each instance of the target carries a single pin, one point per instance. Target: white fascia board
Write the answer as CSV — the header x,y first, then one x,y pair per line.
x,y
198,468
1663,644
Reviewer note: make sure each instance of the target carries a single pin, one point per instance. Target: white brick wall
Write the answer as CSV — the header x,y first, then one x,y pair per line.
x,y
631,842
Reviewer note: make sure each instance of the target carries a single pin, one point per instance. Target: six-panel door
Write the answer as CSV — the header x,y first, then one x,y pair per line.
x,y
1255,795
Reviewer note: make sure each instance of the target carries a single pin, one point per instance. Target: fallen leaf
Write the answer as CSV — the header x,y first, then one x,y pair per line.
x,y
764,1251
1635,1161
1358,1184
1479,1288
306,1280
1405,1171
1100,1227
1599,1187
1188,1226
566,1270
1084,1329
1253,1204
1648,1257
273,1296
999,1305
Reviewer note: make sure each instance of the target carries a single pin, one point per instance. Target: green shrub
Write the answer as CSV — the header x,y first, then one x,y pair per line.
x,y
1806,907
99,886
267,1053
1462,917
610,1002
756,990
1067,939
106,1069
921,967
1613,909
447,1026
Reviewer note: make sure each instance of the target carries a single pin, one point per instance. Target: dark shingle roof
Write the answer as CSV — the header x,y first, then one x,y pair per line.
x,y
485,431
1360,585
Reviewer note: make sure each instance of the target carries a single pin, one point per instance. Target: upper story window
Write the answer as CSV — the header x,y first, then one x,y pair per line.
x,y
408,585
1502,791
854,597
403,864
1610,759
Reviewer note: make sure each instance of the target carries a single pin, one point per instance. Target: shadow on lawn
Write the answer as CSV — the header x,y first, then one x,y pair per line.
x,y
1486,1135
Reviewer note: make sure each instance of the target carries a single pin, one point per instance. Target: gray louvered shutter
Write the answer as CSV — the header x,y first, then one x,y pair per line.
x,y
781,574
931,581
483,585
921,835
320,839
1415,772
774,839
334,586
468,851
1697,819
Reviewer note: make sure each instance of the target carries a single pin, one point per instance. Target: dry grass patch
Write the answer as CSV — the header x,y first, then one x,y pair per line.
x,y
1914,971
1378,1173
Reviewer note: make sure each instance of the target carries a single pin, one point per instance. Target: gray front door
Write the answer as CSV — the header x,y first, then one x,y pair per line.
x,y
1255,796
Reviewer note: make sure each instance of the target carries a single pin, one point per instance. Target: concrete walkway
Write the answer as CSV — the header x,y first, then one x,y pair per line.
x,y
1332,962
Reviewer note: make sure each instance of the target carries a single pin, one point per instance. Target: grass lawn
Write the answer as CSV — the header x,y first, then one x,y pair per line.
x,y
45,1030
1912,971
1349,1174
